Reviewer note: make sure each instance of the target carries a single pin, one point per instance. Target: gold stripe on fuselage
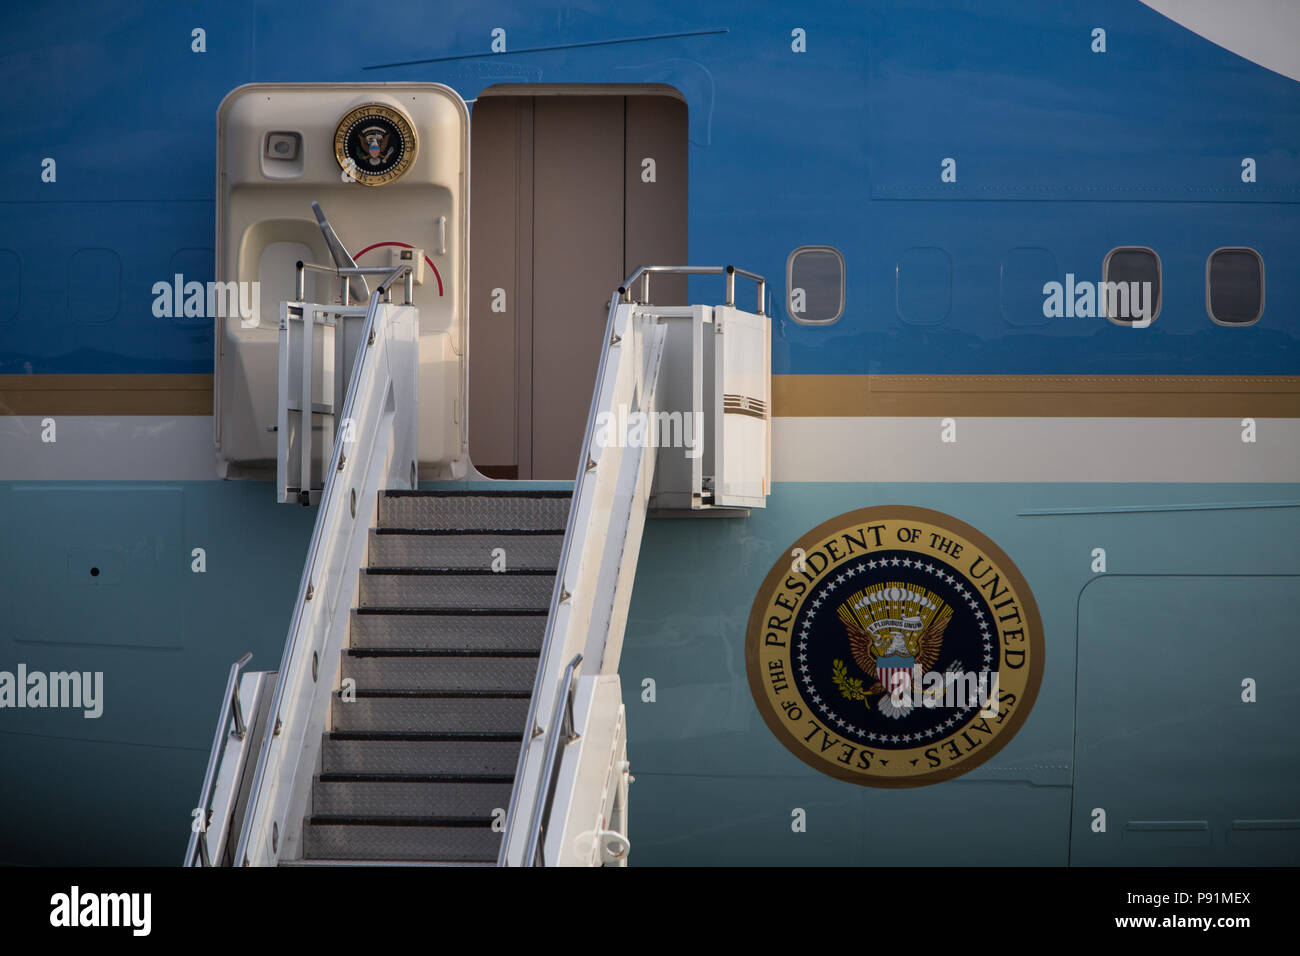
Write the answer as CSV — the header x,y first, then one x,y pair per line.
x,y
105,394
1036,396
793,396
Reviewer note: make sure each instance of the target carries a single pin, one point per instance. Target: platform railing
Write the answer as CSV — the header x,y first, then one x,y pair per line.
x,y
300,322
729,272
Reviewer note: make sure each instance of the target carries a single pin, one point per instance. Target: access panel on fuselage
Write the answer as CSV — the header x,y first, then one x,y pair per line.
x,y
1185,721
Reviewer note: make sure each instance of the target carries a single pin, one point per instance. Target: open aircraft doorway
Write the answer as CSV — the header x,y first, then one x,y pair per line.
x,y
572,188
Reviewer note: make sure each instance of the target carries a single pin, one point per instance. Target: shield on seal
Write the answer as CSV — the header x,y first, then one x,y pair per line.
x,y
895,672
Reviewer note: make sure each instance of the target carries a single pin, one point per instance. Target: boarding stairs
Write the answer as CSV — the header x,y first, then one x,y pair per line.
x,y
449,690
443,654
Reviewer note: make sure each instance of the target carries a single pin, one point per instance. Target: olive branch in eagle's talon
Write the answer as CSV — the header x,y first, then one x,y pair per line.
x,y
850,687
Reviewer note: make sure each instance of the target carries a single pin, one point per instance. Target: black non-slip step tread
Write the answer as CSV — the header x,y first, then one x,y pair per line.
x,y
354,821
454,611
467,572
401,736
393,840
414,801
486,493
436,652
439,694
484,778
467,532
340,861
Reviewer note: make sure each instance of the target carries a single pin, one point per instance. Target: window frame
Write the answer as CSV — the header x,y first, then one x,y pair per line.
x,y
1209,311
1105,277
789,284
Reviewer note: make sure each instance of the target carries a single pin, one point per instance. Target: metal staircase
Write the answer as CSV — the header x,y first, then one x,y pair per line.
x,y
449,688
435,682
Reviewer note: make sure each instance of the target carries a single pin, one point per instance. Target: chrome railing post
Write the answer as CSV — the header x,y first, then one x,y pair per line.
x,y
731,286
305,419
569,726
237,710
563,715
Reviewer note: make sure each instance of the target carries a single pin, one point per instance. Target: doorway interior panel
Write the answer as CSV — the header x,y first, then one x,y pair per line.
x,y
570,194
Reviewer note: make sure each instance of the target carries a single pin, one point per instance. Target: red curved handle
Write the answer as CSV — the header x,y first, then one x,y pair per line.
x,y
403,245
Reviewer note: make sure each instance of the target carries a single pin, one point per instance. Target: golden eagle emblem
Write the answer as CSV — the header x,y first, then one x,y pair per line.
x,y
892,627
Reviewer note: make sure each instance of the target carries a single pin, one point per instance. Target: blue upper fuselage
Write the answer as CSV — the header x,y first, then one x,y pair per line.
x,y
1058,149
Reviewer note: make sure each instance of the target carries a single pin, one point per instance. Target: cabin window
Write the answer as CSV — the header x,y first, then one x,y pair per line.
x,y
1135,293
814,282
1234,286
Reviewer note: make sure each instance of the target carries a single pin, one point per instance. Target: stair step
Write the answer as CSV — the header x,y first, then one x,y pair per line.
x,y
405,548
368,841
409,757
430,715
443,652
324,862
469,511
501,632
332,798
505,778
509,590
424,673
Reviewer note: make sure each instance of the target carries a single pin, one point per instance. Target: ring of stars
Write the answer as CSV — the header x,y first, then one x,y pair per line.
x,y
958,716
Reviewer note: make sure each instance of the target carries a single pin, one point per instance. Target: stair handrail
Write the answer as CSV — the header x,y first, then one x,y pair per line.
x,y
558,594
197,852
562,729
586,473
306,587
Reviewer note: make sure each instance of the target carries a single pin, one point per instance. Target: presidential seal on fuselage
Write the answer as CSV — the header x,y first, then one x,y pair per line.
x,y
894,647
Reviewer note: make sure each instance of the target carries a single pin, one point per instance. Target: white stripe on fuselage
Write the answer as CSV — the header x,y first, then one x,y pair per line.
x,y
854,450
1034,449
105,448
